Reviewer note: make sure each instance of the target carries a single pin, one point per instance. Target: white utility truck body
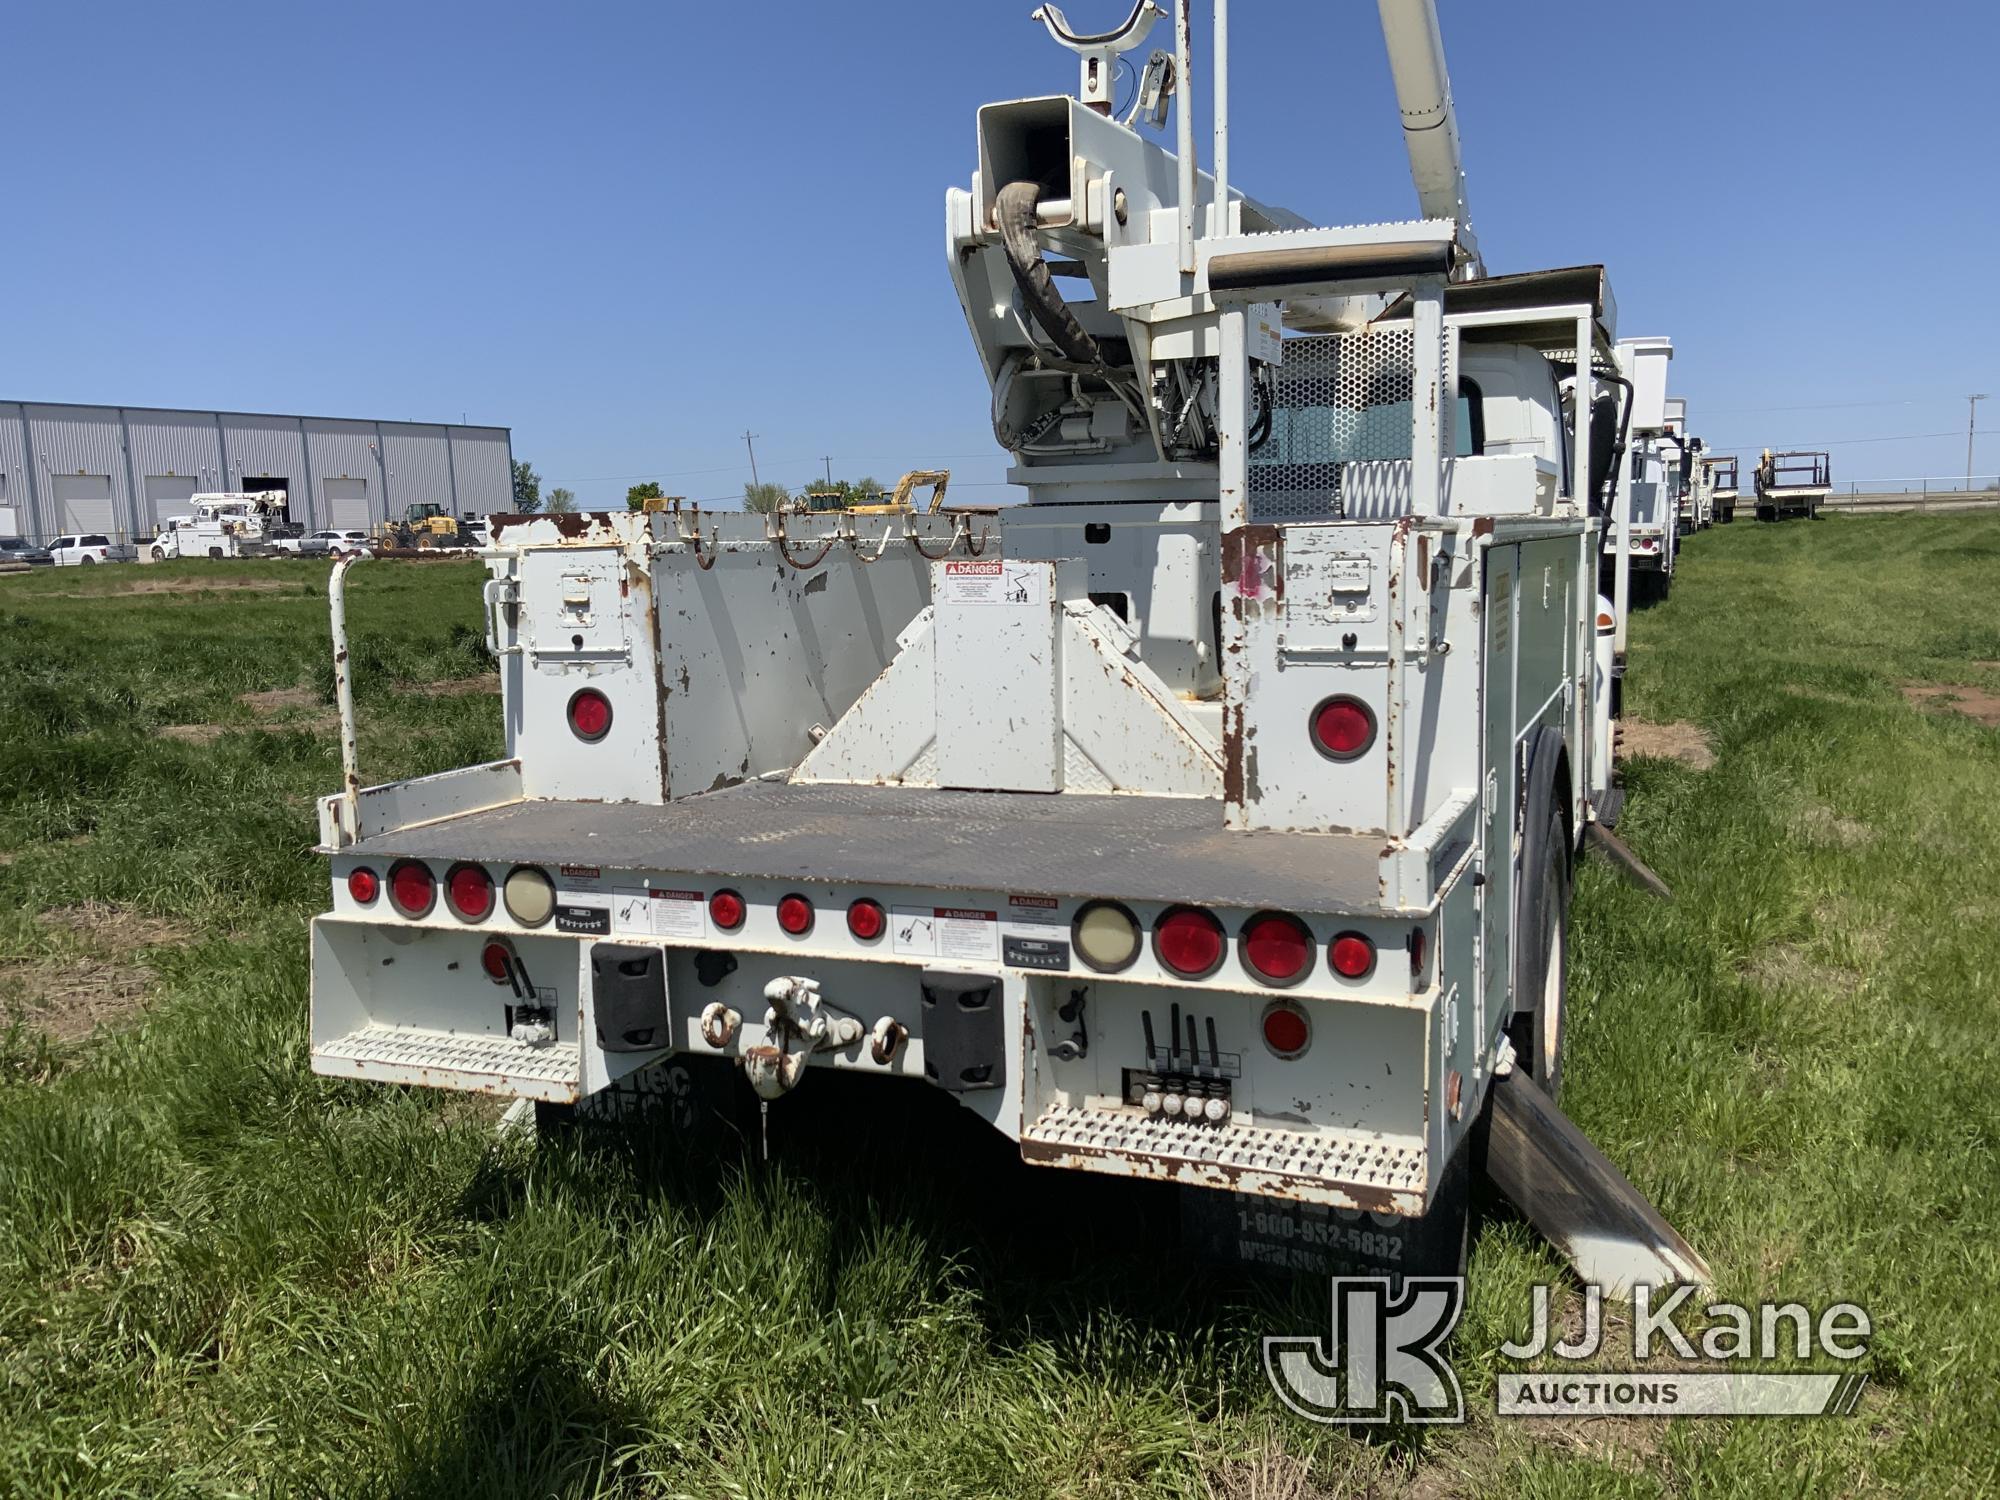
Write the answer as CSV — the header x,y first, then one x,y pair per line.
x,y
226,523
1207,818
1682,455
1792,484
1719,471
1648,476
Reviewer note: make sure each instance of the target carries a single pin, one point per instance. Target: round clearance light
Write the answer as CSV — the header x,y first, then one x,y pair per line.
x,y
530,895
1343,728
363,884
726,910
589,715
1287,1032
468,891
866,919
1353,956
412,888
497,959
1106,936
1189,941
1276,947
795,915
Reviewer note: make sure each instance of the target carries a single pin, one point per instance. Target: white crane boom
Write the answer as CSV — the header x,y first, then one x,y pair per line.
x,y
1430,124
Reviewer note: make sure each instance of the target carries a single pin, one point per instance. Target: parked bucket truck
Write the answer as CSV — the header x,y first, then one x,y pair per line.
x,y
1208,818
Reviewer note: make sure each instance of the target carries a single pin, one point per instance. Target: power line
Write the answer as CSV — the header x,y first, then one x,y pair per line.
x,y
1812,443
1744,411
783,463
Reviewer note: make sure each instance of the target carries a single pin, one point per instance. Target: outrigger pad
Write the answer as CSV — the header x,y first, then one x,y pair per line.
x,y
1578,1199
629,991
965,1045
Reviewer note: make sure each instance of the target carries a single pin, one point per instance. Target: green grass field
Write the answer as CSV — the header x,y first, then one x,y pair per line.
x,y
220,1275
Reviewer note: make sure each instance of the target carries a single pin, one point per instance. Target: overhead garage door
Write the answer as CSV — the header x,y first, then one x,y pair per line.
x,y
83,501
166,495
347,504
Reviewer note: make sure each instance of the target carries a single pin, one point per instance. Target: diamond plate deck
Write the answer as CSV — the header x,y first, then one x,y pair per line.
x,y
440,1059
1132,848
1345,1170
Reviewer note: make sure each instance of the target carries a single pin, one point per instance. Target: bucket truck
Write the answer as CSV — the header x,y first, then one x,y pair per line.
x,y
1206,819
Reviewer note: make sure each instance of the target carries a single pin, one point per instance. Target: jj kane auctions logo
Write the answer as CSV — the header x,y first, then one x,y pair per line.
x,y
1383,1359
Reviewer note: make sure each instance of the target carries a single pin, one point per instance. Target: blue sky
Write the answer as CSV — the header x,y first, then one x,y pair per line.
x,y
631,232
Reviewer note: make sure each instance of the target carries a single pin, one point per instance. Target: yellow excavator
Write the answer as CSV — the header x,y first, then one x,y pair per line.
x,y
821,501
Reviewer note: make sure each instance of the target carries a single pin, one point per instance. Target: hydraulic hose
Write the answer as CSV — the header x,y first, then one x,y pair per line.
x,y
1014,211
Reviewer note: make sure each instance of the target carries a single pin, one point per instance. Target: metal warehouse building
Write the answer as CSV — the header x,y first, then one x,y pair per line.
x,y
120,469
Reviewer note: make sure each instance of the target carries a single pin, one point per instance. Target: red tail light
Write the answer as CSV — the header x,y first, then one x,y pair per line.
x,y
1343,728
795,915
725,910
589,714
412,887
866,919
1353,956
468,891
1189,941
1277,948
1287,1032
363,884
497,959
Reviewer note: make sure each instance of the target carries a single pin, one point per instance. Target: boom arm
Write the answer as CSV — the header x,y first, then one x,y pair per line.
x,y
1430,124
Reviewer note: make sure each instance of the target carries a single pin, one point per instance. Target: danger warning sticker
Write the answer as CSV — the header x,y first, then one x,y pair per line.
x,y
967,581
945,932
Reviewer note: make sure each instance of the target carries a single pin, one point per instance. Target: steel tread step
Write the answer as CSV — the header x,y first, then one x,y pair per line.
x,y
1233,1147
448,1052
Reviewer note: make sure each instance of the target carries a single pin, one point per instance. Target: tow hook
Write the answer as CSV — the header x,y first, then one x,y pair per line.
x,y
796,1015
772,1071
887,1039
719,1024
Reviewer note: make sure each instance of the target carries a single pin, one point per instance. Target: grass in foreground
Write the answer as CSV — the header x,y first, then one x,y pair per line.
x,y
221,1275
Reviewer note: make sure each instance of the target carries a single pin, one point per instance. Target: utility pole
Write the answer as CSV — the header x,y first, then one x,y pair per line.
x,y
1971,426
827,459
750,442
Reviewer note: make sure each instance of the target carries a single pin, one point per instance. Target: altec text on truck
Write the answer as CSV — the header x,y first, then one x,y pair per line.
x,y
1208,818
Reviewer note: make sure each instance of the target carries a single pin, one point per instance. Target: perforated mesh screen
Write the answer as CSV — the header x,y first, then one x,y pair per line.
x,y
1340,428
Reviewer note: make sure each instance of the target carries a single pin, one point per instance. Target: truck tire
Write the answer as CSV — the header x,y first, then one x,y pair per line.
x,y
159,555
1541,959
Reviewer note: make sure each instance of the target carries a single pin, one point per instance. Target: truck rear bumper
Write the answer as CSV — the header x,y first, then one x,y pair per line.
x,y
1119,847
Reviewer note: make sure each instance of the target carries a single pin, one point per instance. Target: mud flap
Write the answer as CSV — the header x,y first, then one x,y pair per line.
x,y
1579,1201
1316,1239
